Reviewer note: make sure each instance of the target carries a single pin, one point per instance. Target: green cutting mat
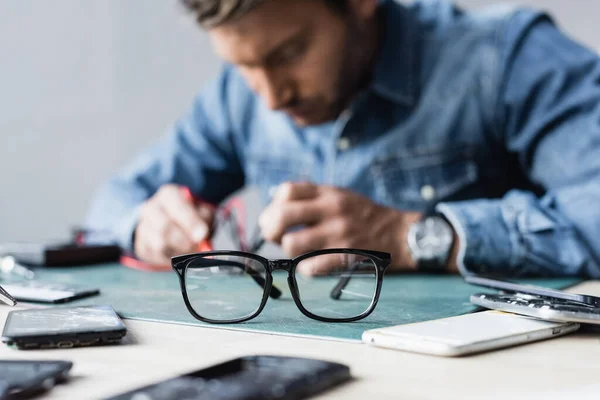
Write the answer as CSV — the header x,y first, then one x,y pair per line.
x,y
157,297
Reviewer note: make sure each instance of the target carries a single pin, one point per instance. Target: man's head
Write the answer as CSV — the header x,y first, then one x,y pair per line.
x,y
304,57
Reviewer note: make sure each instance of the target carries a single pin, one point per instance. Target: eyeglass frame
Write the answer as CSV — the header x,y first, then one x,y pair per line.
x,y
381,260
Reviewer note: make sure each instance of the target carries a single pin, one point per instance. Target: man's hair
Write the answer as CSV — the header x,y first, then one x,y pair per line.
x,y
211,13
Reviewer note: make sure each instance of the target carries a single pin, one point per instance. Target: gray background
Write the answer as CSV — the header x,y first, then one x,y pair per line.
x,y
85,84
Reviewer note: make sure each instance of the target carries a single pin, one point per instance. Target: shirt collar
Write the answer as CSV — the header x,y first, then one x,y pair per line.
x,y
395,75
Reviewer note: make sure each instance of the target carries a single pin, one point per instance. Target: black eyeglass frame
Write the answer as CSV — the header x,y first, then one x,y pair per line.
x,y
381,260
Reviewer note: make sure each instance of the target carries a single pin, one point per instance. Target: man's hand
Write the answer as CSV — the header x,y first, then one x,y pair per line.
x,y
330,217
170,224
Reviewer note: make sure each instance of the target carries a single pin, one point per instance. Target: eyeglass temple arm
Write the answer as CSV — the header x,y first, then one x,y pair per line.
x,y
336,292
274,293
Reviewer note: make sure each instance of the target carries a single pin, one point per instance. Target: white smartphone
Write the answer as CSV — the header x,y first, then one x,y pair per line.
x,y
466,334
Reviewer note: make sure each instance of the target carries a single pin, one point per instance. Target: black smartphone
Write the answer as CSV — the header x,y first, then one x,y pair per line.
x,y
44,292
23,379
63,327
513,287
60,254
249,378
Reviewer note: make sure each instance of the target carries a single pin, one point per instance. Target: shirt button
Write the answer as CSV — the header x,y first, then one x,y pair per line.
x,y
427,192
343,144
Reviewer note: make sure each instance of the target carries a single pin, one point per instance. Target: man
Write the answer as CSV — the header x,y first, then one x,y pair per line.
x,y
369,116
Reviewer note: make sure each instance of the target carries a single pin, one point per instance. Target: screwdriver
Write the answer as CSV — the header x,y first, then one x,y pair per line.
x,y
206,244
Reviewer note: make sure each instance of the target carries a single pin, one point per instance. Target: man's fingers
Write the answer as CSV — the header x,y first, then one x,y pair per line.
x,y
280,217
294,203
158,252
206,213
161,247
183,212
149,246
290,191
304,240
176,242
326,264
159,237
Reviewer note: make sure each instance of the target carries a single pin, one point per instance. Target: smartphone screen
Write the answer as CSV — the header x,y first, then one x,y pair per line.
x,y
249,378
42,292
52,325
23,379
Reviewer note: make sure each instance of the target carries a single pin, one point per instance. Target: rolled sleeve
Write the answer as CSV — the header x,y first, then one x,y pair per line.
x,y
547,113
517,235
485,241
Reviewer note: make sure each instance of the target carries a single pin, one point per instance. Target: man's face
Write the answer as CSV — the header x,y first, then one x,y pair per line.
x,y
299,56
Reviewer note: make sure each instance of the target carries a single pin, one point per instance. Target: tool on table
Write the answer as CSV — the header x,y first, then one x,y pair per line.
x,y
6,298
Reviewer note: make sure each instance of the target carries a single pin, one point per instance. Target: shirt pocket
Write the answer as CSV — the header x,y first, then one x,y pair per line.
x,y
267,172
418,180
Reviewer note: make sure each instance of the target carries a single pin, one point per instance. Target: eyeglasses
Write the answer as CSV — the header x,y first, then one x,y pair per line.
x,y
334,285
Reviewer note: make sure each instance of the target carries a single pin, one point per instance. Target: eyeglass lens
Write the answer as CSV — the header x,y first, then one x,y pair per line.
x,y
317,277
224,287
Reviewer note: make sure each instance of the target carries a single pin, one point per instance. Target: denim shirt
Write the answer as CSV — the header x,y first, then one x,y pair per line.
x,y
494,116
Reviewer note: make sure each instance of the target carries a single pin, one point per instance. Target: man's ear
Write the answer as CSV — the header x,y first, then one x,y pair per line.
x,y
364,9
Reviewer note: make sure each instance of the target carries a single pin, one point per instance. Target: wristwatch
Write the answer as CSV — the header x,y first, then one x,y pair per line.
x,y
430,242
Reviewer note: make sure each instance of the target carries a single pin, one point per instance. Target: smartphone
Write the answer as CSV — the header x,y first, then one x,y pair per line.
x,y
548,309
249,378
466,334
21,379
513,287
43,292
63,327
60,254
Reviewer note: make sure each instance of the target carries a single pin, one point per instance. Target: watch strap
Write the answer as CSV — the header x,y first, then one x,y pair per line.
x,y
432,265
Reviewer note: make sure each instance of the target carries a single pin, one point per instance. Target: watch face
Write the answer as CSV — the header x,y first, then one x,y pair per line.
x,y
432,238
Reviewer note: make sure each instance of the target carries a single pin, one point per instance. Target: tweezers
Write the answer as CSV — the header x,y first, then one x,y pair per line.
x,y
7,298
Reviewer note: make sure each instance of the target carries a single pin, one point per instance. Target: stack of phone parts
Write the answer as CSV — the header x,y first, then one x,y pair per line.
x,y
537,302
520,314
